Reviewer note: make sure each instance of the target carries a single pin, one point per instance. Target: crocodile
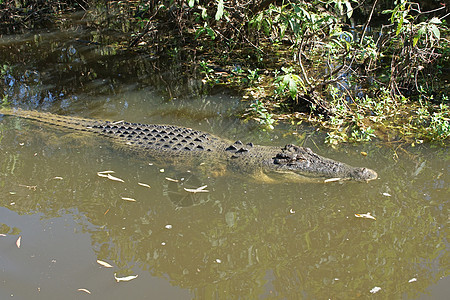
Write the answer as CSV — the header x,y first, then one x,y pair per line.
x,y
168,143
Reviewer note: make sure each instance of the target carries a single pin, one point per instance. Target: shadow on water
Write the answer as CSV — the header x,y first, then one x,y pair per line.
x,y
241,239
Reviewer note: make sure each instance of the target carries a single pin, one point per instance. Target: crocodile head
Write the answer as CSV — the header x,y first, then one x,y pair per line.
x,y
296,163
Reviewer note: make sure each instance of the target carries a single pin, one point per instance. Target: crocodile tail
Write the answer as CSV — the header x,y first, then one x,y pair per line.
x,y
51,119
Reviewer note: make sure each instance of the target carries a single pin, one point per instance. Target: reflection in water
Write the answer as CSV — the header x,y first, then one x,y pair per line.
x,y
241,239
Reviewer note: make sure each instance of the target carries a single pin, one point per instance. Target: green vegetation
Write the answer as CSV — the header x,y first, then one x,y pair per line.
x,y
357,69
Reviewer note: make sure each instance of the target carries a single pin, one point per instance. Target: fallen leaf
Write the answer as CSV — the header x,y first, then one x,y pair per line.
x,y
128,199
365,216
84,290
104,263
110,177
30,187
105,173
144,185
332,179
126,278
197,190
363,153
171,179
18,241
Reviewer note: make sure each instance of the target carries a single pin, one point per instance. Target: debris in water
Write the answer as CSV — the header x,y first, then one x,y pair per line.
x,y
110,177
18,241
292,211
168,226
105,173
104,263
171,179
375,290
365,216
144,185
128,199
197,190
126,278
332,180
412,280
386,194
57,178
161,170
30,187
2,234
84,290
218,261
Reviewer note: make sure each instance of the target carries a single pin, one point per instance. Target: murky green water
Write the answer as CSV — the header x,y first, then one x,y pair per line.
x,y
243,239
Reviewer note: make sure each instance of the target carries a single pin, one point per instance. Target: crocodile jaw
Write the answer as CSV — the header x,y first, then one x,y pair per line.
x,y
298,162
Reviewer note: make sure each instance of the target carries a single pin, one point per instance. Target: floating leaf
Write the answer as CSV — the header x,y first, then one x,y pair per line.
x,y
126,278
110,177
365,216
128,199
104,263
197,190
84,290
30,187
18,241
106,172
144,185
171,179
332,180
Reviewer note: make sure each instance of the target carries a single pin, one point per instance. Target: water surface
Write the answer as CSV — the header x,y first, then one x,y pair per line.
x,y
242,239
